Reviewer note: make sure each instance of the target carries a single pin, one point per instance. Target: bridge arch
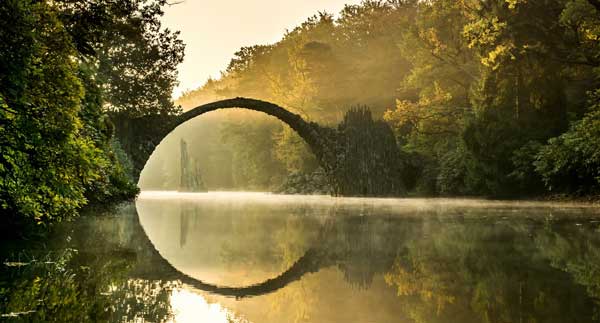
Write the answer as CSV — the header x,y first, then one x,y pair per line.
x,y
314,135
360,157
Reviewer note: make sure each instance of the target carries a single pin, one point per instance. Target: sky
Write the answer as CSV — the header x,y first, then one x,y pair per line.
x,y
213,30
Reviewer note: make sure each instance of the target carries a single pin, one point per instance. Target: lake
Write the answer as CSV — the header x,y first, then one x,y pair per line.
x,y
257,257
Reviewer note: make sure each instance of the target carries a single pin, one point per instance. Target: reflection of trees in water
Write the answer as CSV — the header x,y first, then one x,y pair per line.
x,y
48,293
443,269
267,242
91,285
485,272
363,246
580,257
463,269
187,213
458,268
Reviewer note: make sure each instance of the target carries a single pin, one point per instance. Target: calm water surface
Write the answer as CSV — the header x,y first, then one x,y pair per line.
x,y
252,257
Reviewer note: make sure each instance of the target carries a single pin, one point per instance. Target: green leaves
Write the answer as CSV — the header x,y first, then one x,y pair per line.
x,y
48,160
571,162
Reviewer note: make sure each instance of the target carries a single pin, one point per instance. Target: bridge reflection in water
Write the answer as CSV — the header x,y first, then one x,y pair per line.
x,y
395,260
241,257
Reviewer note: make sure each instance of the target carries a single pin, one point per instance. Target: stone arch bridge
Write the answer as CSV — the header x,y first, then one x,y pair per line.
x,y
360,157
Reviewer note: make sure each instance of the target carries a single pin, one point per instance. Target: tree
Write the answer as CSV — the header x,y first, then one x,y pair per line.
x,y
45,162
136,59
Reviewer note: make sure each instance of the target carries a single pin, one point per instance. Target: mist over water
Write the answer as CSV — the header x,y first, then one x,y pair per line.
x,y
399,206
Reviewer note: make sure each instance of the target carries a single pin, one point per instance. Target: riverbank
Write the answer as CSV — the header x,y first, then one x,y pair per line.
x,y
316,183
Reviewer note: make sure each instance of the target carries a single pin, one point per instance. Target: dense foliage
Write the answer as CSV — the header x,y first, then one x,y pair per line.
x,y
46,163
59,62
474,90
571,161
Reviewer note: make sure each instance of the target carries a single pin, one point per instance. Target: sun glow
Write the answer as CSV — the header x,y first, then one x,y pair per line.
x,y
190,307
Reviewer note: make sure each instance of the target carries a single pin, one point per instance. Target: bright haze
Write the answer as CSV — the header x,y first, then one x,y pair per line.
x,y
213,30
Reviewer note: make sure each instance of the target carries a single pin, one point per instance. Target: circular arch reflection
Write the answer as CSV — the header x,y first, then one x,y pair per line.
x,y
222,252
